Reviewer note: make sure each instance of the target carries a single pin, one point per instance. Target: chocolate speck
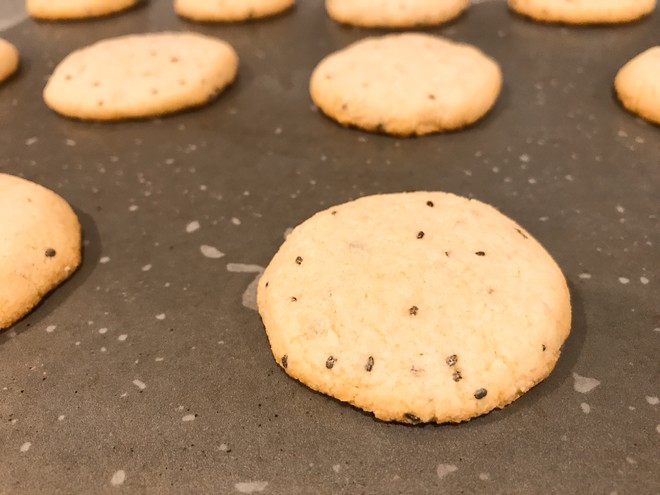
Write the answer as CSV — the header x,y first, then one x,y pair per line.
x,y
266,284
412,418
429,203
413,310
333,212
457,376
447,254
543,347
294,298
480,253
50,252
285,361
521,233
420,234
330,362
299,260
452,360
481,393
370,363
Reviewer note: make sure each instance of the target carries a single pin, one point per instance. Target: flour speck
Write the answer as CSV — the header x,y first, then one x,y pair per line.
x,y
118,478
103,330
140,384
25,447
61,417
235,221
336,468
630,460
624,280
51,328
192,226
251,486
211,252
654,401
484,476
586,408
146,268
644,280
159,359
188,417
133,208
584,276
250,294
160,316
104,259
445,469
122,337
584,384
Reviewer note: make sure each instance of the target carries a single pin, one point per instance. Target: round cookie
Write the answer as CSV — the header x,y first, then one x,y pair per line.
x,y
394,13
75,9
417,307
637,85
230,10
583,11
406,84
8,59
141,75
39,245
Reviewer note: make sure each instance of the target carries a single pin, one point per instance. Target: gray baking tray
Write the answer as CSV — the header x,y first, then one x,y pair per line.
x,y
557,154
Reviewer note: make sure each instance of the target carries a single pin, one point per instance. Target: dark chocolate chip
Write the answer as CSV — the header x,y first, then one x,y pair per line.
x,y
543,347
294,298
333,212
481,393
447,254
330,362
266,284
412,418
299,260
522,233
370,363
420,234
285,361
457,376
50,252
452,360
413,310
480,253
429,203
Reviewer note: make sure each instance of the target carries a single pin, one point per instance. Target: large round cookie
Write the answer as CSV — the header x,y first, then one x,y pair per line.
x,y
394,13
39,245
637,85
583,11
418,307
230,10
406,84
75,9
141,75
8,59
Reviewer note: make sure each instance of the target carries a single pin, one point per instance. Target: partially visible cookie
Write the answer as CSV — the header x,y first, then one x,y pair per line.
x,y
637,85
141,75
8,59
39,245
583,11
406,84
394,13
75,9
417,307
230,10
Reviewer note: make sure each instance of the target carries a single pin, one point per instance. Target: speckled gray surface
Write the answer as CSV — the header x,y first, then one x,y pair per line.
x,y
147,373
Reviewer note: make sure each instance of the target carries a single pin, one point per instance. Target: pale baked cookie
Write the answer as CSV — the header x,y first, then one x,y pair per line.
x,y
394,13
39,245
417,307
8,59
637,85
141,75
583,11
75,9
230,10
406,84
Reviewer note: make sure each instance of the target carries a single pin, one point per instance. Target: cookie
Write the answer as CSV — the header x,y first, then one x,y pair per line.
x,y
406,84
39,245
230,10
637,85
141,75
417,307
583,11
394,13
75,9
8,59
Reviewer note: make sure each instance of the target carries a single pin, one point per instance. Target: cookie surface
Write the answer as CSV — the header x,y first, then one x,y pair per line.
x,y
394,13
637,85
230,10
75,9
406,84
8,59
141,75
417,307
583,11
39,245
